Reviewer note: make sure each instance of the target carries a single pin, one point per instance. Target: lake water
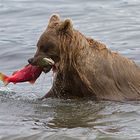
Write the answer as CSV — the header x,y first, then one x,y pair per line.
x,y
116,23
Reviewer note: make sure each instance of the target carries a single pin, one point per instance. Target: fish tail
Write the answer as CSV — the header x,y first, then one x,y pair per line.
x,y
4,79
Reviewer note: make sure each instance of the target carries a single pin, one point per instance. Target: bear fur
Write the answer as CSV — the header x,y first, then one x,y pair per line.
x,y
85,67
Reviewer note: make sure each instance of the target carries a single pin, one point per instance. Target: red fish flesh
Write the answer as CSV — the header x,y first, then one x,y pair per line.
x,y
28,73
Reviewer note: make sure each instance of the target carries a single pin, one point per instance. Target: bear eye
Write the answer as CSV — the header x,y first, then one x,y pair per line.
x,y
47,47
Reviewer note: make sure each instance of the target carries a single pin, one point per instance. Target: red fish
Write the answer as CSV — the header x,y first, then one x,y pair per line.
x,y
28,73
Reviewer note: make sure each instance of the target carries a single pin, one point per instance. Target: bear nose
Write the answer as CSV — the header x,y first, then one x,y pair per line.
x,y
30,61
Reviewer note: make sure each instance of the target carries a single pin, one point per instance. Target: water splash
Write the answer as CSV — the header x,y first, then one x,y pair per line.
x,y
6,91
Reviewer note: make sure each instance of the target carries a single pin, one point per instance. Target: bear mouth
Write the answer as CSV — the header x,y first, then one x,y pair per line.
x,y
49,64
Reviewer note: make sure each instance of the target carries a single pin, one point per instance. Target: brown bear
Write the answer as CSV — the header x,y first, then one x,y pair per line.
x,y
85,67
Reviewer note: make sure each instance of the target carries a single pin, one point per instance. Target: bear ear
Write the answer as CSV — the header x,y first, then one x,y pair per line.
x,y
66,26
53,19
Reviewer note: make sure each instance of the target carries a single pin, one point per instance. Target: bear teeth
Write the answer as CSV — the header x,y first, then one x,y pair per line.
x,y
49,61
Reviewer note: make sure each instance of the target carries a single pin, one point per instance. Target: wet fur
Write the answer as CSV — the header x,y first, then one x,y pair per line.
x,y
86,67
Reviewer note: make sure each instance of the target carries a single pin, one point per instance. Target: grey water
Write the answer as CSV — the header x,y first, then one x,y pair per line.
x,y
22,117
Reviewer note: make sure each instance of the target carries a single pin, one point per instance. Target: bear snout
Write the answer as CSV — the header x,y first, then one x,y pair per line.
x,y
33,61
30,60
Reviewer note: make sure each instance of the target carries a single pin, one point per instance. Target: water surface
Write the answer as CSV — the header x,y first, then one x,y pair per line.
x,y
116,23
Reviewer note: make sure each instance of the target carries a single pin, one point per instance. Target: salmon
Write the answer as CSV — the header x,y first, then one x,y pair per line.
x,y
28,73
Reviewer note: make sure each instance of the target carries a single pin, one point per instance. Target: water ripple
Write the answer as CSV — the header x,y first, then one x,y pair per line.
x,y
116,23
